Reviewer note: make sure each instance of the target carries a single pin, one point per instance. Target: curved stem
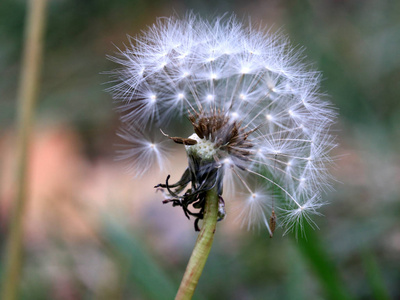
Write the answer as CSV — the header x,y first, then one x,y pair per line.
x,y
201,249
28,89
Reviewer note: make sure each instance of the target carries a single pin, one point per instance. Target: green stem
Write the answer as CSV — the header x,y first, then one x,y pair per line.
x,y
28,88
201,249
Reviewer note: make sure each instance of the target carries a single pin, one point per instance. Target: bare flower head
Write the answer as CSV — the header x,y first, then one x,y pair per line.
x,y
260,125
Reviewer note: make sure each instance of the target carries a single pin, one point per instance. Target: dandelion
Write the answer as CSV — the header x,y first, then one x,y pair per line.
x,y
260,124
254,106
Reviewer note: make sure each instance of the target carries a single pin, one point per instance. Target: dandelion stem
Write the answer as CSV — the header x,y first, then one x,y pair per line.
x,y
201,249
28,88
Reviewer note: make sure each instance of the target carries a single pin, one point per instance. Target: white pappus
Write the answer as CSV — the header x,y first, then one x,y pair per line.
x,y
260,125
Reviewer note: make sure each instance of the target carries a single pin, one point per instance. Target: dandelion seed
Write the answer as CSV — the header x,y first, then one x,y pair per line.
x,y
260,124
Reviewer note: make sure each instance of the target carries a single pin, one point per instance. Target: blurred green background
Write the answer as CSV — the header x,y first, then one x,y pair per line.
x,y
93,232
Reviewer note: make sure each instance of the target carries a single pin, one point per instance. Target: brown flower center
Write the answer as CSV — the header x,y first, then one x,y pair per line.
x,y
226,134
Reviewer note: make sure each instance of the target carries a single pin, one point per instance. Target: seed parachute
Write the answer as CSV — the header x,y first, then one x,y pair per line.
x,y
261,128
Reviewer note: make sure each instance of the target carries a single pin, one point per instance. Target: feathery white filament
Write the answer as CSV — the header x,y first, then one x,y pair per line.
x,y
255,79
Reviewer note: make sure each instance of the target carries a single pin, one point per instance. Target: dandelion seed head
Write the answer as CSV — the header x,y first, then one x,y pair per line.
x,y
260,123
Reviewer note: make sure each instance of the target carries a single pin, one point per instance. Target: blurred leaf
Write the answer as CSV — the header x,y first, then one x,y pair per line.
x,y
295,278
141,269
374,276
325,271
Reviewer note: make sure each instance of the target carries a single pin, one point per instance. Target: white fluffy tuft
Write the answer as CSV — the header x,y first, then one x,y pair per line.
x,y
255,77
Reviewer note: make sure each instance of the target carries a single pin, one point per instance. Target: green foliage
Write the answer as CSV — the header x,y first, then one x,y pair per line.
x,y
139,268
375,279
323,267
